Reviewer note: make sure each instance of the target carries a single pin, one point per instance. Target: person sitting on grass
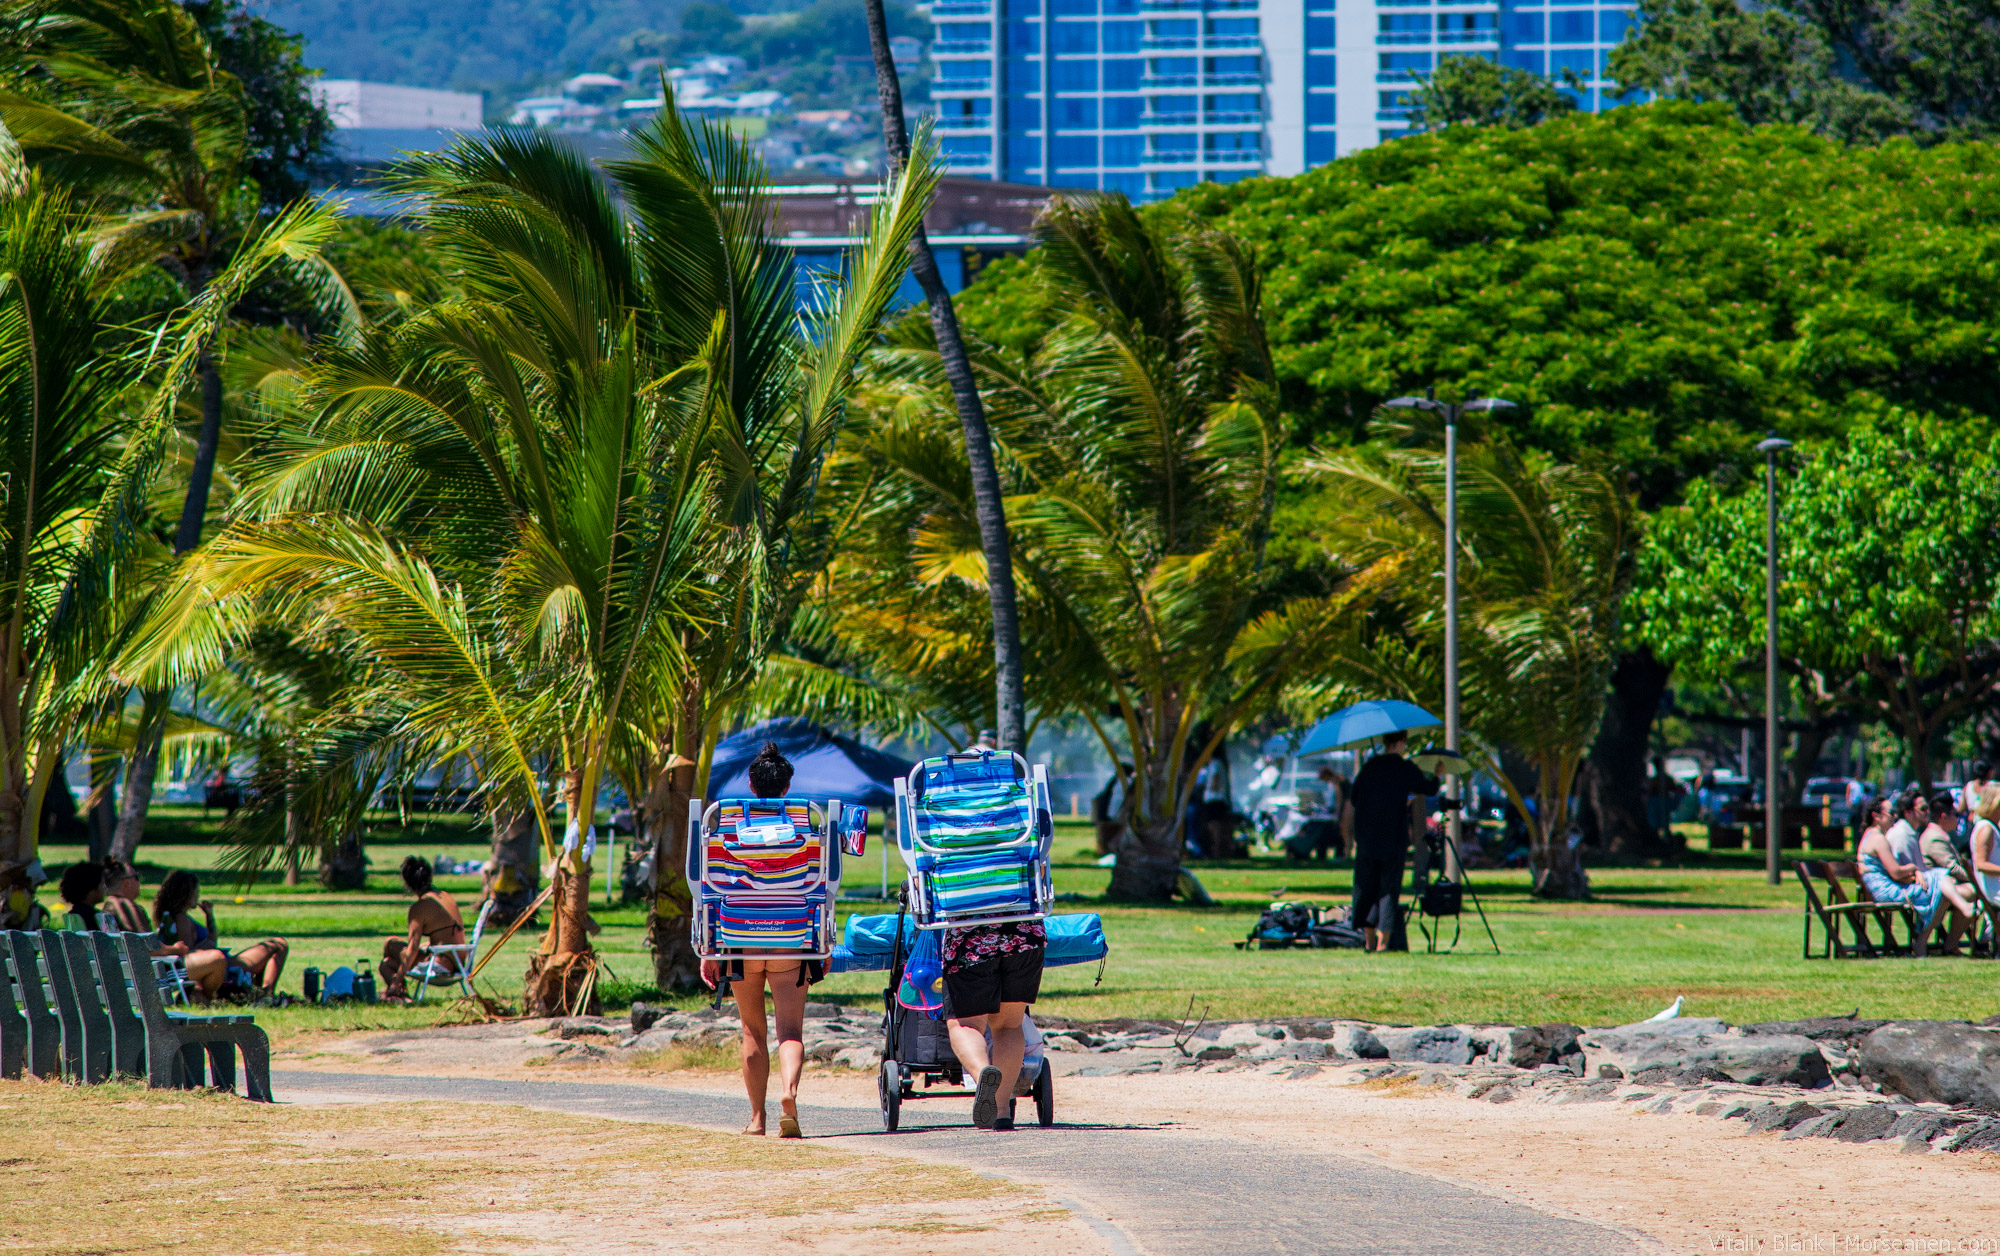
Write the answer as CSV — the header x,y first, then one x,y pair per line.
x,y
250,974
770,777
434,921
121,903
1890,879
82,887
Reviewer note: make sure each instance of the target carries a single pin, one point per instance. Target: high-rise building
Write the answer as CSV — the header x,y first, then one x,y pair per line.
x,y
1149,96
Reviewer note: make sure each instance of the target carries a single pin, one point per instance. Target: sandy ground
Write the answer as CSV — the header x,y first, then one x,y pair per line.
x,y
1693,1184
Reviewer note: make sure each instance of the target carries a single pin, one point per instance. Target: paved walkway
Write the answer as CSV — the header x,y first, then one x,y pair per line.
x,y
1155,1190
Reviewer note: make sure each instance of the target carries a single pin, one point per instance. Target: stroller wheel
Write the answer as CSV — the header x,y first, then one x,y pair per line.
x,y
1045,1097
889,1085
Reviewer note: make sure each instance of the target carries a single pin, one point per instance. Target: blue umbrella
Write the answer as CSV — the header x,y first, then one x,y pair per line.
x,y
824,764
1365,721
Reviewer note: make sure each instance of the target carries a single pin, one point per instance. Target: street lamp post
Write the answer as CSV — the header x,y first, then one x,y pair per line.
x,y
1774,803
1450,414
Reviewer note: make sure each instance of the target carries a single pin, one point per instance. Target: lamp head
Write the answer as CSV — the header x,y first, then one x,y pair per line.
x,y
1490,403
1773,444
1414,403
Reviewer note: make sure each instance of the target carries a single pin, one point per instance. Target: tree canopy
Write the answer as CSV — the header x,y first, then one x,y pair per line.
x,y
1472,91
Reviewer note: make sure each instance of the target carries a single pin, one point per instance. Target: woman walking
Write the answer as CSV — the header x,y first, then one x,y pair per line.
x,y
770,777
991,974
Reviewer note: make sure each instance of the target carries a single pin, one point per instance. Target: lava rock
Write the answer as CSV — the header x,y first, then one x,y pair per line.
x,y
646,1015
822,1011
1864,1125
1773,1116
584,1029
1948,1062
1845,1030
1358,1043
1216,1053
1438,1044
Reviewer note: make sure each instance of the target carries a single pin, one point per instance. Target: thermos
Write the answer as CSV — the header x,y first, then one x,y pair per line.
x,y
364,983
312,985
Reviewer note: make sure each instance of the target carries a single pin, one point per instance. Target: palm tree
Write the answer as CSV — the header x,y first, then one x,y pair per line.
x,y
1009,684
559,517
82,449
1142,438
1544,563
127,99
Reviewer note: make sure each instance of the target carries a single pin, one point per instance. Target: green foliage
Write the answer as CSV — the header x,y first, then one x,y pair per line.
x,y
1473,91
1929,69
1889,594
289,132
1656,285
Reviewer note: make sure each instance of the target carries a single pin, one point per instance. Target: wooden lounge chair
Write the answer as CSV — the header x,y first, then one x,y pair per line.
x,y
1838,907
171,1037
43,1057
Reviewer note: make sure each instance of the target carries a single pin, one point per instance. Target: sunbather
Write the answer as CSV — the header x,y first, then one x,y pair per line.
x,y
121,903
250,973
434,921
770,777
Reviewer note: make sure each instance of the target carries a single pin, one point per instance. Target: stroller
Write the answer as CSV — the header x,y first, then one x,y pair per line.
x,y
764,873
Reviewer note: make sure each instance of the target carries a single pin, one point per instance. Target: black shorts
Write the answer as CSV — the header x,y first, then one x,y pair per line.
x,y
1378,882
980,989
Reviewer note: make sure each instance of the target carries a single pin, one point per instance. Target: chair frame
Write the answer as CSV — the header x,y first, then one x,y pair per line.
x,y
1988,908
702,818
431,970
1854,911
1039,834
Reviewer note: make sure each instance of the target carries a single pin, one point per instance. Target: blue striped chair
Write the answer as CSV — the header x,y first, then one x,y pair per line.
x,y
764,873
975,831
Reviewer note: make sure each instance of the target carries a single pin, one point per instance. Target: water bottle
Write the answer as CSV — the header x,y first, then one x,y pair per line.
x,y
312,985
364,983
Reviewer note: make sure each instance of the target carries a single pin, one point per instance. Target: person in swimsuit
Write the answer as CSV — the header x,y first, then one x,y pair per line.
x,y
1889,879
434,921
121,903
770,777
252,972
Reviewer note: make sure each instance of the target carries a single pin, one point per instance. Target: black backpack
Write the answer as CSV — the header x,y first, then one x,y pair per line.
x,y
1282,926
1443,898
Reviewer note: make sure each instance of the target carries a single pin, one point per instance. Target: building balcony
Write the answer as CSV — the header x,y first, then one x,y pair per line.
x,y
1233,119
1392,115
948,86
1384,37
1176,158
1233,159
962,47
1468,37
1156,80
1234,41
1167,6
961,125
1232,80
961,8
1152,44
1168,120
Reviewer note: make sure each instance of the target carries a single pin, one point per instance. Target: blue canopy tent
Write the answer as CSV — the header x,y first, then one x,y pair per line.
x,y
825,764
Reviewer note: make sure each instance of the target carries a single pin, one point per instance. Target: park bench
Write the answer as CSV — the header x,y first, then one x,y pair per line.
x,y
1838,907
87,1006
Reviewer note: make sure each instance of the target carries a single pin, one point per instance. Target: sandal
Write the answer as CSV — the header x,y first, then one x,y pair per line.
x,y
788,1127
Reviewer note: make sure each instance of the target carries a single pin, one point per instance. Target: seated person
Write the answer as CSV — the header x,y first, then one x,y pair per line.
x,y
251,973
434,921
121,903
1926,890
1986,839
82,887
1936,840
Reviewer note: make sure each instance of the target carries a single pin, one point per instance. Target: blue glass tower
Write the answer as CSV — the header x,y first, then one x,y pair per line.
x,y
1149,96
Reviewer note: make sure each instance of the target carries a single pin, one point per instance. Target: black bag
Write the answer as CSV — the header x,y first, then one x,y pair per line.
x,y
1443,898
1281,927
1337,933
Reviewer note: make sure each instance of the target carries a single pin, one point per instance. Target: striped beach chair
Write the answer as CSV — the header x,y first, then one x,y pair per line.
x,y
975,829
764,873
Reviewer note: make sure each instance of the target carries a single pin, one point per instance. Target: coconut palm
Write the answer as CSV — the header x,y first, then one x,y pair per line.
x,y
125,98
1141,439
1544,561
559,517
80,448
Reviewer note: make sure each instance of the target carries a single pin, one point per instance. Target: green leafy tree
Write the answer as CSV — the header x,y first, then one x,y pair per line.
x,y
1474,91
1889,593
1544,563
289,132
1862,72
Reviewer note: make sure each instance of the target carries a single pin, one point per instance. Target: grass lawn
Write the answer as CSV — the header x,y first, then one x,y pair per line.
x,y
1711,930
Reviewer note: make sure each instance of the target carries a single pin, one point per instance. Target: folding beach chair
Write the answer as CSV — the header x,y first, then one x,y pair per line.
x,y
975,829
764,873
446,965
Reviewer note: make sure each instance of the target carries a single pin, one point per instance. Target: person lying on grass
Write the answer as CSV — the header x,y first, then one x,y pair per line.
x,y
770,777
250,974
434,921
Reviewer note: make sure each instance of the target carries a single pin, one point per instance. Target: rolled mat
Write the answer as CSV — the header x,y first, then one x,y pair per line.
x,y
869,942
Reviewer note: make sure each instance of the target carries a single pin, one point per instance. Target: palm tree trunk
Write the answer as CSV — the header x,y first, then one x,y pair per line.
x,y
675,965
557,974
1007,666
145,762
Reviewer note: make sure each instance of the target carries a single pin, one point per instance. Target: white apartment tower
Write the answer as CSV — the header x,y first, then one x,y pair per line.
x,y
1148,96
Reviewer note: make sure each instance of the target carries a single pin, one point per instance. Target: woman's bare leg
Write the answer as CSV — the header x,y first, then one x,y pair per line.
x,y
1010,1045
749,994
788,996
968,1042
206,969
266,962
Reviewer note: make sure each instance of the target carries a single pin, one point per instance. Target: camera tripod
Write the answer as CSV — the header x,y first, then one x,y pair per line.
x,y
1436,846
